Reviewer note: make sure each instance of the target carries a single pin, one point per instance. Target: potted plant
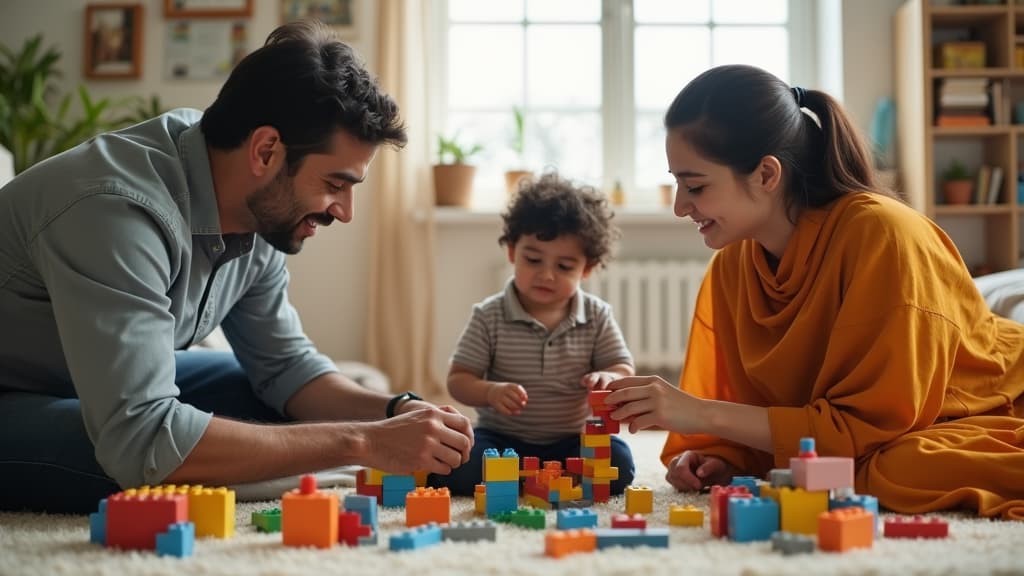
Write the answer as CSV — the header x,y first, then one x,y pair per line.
x,y
518,142
453,175
957,184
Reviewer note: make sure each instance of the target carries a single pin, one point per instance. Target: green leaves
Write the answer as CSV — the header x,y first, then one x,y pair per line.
x,y
450,148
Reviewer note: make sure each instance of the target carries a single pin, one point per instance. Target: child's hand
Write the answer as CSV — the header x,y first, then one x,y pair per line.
x,y
507,398
691,471
598,380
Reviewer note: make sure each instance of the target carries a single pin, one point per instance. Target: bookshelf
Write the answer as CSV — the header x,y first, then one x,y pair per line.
x,y
932,132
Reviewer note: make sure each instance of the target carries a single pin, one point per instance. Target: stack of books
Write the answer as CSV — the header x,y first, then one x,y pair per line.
x,y
989,185
967,102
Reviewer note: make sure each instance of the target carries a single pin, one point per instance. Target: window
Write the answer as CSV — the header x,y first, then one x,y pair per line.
x,y
593,79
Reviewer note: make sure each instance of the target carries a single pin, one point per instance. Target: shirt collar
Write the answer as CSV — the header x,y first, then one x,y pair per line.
x,y
515,312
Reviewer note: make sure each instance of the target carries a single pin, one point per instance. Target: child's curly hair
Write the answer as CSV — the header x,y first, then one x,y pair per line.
x,y
551,206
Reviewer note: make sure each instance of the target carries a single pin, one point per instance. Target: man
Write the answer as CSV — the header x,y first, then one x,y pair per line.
x,y
118,255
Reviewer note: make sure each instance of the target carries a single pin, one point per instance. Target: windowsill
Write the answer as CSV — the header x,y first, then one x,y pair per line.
x,y
624,216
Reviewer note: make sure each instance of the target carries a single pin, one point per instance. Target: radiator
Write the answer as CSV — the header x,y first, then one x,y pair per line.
x,y
653,303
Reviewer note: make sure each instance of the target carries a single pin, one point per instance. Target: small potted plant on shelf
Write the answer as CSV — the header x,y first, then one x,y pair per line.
x,y
453,175
518,143
957,184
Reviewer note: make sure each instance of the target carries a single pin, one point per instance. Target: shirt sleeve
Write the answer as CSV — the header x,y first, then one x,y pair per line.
x,y
267,337
609,345
107,262
474,350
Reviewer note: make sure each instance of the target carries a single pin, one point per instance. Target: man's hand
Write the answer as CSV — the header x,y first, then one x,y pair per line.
x,y
420,437
507,398
692,471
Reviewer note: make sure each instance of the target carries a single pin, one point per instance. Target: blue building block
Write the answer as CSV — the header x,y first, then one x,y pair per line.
x,y
869,503
752,519
576,518
509,453
750,482
416,538
395,488
807,446
631,537
179,540
502,488
588,489
98,524
366,506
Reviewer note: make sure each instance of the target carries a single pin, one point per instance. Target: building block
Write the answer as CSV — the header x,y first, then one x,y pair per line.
x,y
574,465
179,540
575,518
639,500
560,543
599,492
822,473
750,482
596,400
631,537
595,440
395,488
470,531
720,507
779,477
753,519
267,520
501,496
502,468
627,521
572,504
98,524
869,503
800,510
366,506
426,505
134,517
415,538
351,530
846,529
807,449
916,527
309,517
525,517
688,515
480,499
789,543
375,491
212,510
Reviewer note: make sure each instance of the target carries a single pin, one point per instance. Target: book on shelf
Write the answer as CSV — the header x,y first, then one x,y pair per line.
x,y
988,184
962,120
995,184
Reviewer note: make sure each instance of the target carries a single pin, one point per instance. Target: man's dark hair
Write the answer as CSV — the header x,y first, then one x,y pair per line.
x,y
551,207
306,84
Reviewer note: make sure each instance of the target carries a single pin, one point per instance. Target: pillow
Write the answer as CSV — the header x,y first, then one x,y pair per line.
x,y
1004,293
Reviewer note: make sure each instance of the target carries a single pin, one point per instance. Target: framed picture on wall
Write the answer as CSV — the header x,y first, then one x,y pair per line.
x,y
204,49
340,15
113,41
207,8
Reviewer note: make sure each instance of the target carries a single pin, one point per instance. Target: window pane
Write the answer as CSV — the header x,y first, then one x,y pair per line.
x,y
490,78
651,164
670,11
563,10
485,10
563,66
731,46
570,143
750,11
667,57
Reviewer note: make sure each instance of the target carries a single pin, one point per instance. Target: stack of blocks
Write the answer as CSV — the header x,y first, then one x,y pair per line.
x,y
550,488
596,451
309,517
499,492
388,489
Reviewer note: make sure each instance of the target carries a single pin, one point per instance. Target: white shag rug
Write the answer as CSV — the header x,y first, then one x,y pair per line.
x,y
39,544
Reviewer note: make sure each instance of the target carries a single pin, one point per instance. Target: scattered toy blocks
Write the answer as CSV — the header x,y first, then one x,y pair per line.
x,y
720,507
627,521
135,517
470,531
916,527
212,510
789,543
415,538
639,500
632,537
426,505
846,529
98,524
179,540
563,542
575,518
753,519
267,520
800,509
688,515
309,517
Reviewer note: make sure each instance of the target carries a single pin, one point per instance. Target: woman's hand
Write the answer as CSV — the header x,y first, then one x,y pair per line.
x,y
693,471
650,402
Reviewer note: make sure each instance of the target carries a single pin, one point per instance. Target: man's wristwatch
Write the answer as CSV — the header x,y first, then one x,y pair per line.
x,y
394,402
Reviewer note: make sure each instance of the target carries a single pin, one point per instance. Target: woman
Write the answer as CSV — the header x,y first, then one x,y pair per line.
x,y
830,310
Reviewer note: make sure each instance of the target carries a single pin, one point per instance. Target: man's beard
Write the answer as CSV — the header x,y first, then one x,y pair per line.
x,y
277,213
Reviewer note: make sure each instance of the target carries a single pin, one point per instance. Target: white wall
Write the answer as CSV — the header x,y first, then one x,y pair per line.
x,y
330,276
329,284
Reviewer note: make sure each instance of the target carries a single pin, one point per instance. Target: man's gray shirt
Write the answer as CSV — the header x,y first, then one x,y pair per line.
x,y
111,258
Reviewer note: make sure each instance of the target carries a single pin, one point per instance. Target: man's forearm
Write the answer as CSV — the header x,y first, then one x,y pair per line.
x,y
332,397
232,452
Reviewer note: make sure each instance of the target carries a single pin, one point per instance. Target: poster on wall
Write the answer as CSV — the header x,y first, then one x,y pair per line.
x,y
203,50
207,8
340,15
113,41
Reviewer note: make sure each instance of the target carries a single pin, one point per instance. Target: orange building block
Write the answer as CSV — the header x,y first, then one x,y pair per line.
x,y
563,542
309,517
426,505
845,529
480,499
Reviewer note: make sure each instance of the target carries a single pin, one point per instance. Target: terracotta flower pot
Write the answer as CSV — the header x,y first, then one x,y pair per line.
x,y
513,179
453,184
957,191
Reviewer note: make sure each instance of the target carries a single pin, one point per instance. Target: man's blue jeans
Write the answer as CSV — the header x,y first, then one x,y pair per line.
x,y
47,462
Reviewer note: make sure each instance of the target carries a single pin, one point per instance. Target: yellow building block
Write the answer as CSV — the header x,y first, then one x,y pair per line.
x,y
375,477
501,469
639,500
536,502
597,462
799,509
212,510
595,440
688,515
769,491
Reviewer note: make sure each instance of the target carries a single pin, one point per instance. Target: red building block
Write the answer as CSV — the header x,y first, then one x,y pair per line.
x,y
351,528
364,489
916,527
135,518
720,507
627,521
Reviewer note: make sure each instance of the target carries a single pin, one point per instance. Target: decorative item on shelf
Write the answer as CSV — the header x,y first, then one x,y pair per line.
x,y
518,143
666,194
618,197
967,102
960,55
957,186
453,176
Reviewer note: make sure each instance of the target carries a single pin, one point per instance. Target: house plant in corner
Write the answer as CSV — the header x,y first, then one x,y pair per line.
x,y
957,185
453,175
518,142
